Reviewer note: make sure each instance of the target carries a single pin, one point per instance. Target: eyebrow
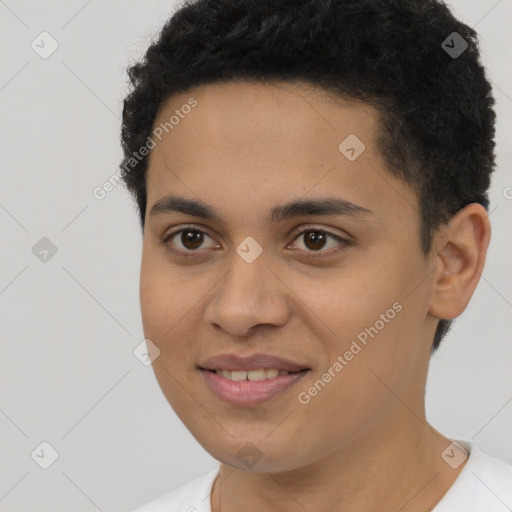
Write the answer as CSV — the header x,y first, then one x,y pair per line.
x,y
295,208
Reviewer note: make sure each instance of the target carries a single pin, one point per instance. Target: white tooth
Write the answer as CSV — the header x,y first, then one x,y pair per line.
x,y
252,375
256,375
239,375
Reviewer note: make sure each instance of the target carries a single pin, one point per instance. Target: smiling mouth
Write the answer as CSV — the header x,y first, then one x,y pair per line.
x,y
253,375
248,388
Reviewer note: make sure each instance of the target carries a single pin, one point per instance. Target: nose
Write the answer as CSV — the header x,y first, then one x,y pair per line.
x,y
250,294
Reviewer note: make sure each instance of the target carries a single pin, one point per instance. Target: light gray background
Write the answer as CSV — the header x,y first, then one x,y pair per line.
x,y
68,375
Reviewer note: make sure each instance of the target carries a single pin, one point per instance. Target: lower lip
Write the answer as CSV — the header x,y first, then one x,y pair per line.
x,y
247,393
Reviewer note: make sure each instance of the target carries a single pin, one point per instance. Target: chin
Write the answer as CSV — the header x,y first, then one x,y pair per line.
x,y
249,455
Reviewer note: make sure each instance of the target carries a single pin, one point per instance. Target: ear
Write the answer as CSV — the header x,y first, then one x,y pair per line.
x,y
461,248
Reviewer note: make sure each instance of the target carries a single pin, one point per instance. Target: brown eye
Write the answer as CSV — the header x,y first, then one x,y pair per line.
x,y
189,243
315,239
191,239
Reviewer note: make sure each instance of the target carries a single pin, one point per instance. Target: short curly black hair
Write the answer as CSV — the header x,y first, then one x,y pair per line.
x,y
436,126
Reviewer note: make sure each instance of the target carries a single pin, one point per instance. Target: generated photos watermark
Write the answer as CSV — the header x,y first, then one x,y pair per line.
x,y
101,192
305,397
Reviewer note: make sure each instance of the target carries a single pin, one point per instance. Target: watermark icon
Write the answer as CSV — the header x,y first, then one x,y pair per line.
x,y
304,397
44,455
249,454
101,192
249,249
146,352
454,45
351,147
454,455
44,45
44,250
507,192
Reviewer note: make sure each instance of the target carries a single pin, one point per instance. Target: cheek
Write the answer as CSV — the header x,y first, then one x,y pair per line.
x,y
160,290
152,300
352,398
169,307
355,393
353,302
368,314
164,306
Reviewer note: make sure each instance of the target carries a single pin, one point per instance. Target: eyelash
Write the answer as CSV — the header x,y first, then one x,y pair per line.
x,y
297,234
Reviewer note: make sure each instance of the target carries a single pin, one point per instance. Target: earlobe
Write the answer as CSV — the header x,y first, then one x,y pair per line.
x,y
461,250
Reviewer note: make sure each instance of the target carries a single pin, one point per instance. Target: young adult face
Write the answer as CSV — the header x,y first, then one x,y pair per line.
x,y
245,149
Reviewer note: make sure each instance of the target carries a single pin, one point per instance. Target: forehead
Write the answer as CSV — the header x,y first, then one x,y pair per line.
x,y
259,144
283,120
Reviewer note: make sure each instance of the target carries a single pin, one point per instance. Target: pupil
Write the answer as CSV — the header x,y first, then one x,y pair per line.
x,y
315,237
193,237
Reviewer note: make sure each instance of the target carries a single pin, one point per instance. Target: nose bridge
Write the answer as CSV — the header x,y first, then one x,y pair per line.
x,y
248,295
247,280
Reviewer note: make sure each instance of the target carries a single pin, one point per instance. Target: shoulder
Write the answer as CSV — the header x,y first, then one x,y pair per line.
x,y
485,483
193,496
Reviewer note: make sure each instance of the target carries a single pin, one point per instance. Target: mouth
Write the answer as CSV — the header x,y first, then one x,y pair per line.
x,y
253,375
249,388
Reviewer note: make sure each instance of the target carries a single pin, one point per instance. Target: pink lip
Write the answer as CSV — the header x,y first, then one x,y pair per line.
x,y
247,393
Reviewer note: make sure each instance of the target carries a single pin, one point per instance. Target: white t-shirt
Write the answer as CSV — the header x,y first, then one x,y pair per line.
x,y
483,485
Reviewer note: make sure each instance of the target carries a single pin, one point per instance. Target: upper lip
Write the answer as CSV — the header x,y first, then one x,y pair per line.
x,y
232,362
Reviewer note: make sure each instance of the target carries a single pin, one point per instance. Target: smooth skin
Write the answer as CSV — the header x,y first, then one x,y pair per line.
x,y
363,442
